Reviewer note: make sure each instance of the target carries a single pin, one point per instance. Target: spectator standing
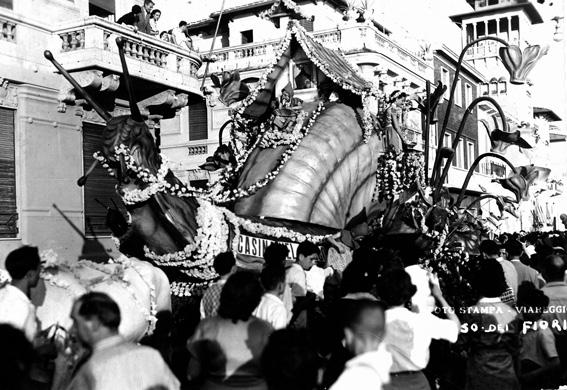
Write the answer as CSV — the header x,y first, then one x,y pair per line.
x,y
490,250
181,37
154,17
539,360
492,333
114,363
132,18
276,255
16,357
224,265
553,269
143,24
363,335
226,349
525,273
296,278
16,308
409,334
271,307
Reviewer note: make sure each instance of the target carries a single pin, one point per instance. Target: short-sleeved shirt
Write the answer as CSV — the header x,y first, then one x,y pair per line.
x,y
211,299
272,310
538,346
409,334
557,294
510,274
17,310
526,273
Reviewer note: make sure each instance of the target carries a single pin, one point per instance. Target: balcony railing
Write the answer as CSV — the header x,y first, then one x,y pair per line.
x,y
8,30
90,43
347,39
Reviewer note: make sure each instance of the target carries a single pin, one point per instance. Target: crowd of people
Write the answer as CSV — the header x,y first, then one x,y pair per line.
x,y
145,20
376,321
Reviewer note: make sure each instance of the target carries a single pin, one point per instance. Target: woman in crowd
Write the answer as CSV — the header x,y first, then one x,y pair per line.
x,y
491,333
225,349
154,17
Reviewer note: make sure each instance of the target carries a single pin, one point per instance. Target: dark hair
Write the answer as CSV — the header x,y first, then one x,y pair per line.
x,y
136,9
553,268
358,276
514,248
532,300
489,280
240,296
100,305
182,23
355,315
307,248
22,260
290,361
16,357
149,1
395,287
275,253
489,247
224,262
271,276
154,11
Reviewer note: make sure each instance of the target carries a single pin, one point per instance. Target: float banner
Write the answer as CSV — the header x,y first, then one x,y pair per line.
x,y
249,246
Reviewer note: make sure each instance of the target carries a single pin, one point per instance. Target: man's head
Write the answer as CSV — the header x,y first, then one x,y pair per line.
x,y
23,265
96,317
553,269
364,326
148,6
307,254
273,279
275,254
489,280
489,249
183,26
514,249
136,9
224,263
563,218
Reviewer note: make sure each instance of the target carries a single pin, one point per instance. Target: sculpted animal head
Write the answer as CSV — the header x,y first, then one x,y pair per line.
x,y
232,89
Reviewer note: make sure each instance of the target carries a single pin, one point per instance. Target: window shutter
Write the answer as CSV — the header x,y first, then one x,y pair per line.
x,y
198,120
307,24
8,209
100,185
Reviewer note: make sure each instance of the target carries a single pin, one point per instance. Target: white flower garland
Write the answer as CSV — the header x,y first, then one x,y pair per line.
x,y
288,3
276,137
184,289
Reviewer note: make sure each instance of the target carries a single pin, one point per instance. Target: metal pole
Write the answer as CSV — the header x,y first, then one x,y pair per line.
x,y
427,128
212,45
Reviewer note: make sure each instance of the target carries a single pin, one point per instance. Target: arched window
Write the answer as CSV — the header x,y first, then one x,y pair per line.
x,y
493,86
502,86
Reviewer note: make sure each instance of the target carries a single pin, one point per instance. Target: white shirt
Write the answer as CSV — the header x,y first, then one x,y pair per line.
x,y
315,279
296,279
422,299
179,37
272,310
368,371
17,310
510,274
409,334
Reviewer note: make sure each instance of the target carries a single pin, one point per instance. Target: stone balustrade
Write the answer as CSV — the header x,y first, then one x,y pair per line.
x,y
348,39
8,30
198,149
91,43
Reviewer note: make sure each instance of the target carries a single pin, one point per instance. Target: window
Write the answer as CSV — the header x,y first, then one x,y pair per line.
x,y
458,99
247,36
100,184
8,209
433,135
6,4
102,8
198,120
470,154
470,33
468,95
502,87
493,87
459,160
447,140
484,89
446,80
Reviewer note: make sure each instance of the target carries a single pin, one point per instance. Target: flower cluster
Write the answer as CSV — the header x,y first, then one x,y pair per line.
x,y
388,183
288,4
412,170
184,289
276,137
49,259
5,278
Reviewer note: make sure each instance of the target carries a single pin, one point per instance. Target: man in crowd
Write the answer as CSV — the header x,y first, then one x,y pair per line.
x,y
143,23
525,273
132,18
271,307
296,278
114,363
363,334
490,250
224,265
16,309
180,36
556,290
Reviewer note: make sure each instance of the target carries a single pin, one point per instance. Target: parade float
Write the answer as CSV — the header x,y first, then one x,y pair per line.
x,y
303,163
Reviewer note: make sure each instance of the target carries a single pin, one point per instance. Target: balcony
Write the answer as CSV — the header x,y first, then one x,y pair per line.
x,y
350,39
90,43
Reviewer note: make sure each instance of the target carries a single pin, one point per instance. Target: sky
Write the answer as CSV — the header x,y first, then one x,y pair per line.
x,y
413,18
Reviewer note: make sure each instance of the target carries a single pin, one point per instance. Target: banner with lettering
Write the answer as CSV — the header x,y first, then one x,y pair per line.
x,y
250,250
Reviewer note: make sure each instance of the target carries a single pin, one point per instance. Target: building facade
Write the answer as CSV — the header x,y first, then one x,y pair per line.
x,y
48,132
